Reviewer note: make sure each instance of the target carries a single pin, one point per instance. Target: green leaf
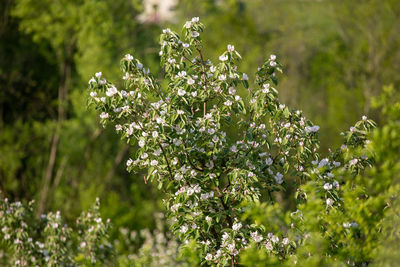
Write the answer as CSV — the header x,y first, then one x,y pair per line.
x,y
245,84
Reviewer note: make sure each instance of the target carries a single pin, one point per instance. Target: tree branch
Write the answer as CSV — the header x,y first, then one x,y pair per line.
x,y
204,79
166,160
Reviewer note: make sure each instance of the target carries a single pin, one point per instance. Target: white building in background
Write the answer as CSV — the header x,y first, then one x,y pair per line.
x,y
158,10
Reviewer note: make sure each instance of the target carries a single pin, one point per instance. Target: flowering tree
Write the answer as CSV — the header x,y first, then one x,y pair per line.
x,y
207,172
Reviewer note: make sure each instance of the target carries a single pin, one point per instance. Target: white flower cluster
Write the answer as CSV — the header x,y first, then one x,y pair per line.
x,y
20,229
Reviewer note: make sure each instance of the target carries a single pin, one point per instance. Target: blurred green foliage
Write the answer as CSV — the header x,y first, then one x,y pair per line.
x,y
49,50
337,56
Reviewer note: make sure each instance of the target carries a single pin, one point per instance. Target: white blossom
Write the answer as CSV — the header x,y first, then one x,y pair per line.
x,y
225,236
128,57
175,207
346,225
285,241
336,184
236,226
256,237
311,129
278,178
233,149
104,115
265,89
181,92
223,58
118,127
327,186
228,103
190,191
336,163
231,48
129,162
329,201
323,163
215,138
184,228
178,177
141,143
232,90
190,81
111,91
177,142
353,162
181,74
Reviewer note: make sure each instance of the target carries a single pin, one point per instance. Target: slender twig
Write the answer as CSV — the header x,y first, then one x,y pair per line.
x,y
166,160
188,158
226,208
205,80
117,161
298,166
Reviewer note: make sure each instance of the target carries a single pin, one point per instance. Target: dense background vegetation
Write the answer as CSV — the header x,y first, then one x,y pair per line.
x,y
337,55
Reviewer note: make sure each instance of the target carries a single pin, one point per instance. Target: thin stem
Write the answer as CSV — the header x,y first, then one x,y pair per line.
x,y
298,166
204,79
226,208
166,160
188,158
